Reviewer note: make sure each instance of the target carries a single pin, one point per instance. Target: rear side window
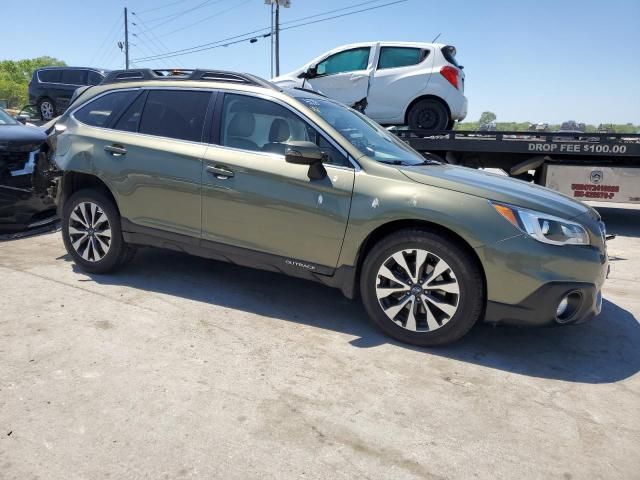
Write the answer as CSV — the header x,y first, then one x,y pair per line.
x,y
49,76
98,112
74,77
394,57
347,61
176,114
94,78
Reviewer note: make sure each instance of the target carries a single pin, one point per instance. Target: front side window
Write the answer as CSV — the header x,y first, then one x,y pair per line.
x,y
394,57
178,114
260,125
100,111
74,77
347,61
364,134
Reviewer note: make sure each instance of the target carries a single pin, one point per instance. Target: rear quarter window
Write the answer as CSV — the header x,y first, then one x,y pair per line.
x,y
99,112
74,77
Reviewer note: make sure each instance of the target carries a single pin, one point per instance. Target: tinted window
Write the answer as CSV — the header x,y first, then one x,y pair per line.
x,y
347,61
49,76
74,77
259,125
393,57
175,114
130,119
94,78
98,112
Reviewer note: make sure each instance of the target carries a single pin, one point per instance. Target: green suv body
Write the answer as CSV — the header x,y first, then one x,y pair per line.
x,y
228,166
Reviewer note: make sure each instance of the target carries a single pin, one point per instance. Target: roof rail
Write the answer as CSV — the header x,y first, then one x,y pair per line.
x,y
141,74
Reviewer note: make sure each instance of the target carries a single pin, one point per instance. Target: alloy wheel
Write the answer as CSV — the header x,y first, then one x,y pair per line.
x,y
417,290
46,110
90,231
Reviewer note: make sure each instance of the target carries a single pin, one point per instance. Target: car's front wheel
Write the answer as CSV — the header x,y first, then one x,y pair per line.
x,y
91,232
422,288
428,114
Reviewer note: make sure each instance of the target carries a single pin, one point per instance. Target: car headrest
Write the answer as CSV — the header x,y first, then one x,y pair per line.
x,y
279,131
242,125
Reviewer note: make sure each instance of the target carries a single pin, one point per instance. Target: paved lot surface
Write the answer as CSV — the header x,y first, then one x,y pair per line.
x,y
179,367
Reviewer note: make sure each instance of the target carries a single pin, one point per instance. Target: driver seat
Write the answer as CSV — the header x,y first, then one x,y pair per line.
x,y
279,135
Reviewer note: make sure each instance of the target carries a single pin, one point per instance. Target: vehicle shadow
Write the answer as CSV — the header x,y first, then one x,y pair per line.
x,y
604,350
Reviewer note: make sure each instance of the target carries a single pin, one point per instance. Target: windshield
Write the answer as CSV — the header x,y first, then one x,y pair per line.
x,y
6,119
363,133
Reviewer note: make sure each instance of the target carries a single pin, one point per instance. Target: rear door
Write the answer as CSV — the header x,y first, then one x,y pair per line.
x,y
150,154
401,74
344,75
254,200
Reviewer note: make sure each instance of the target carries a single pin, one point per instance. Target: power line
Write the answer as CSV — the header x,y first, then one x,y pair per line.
x,y
330,11
205,19
161,6
225,42
173,16
104,42
156,40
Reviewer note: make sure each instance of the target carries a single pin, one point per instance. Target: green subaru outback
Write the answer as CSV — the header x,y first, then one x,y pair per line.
x,y
228,166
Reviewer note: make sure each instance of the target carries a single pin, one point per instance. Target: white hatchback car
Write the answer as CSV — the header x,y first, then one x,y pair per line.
x,y
395,83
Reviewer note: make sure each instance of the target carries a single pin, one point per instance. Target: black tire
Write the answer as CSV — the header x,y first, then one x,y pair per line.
x,y
47,113
428,114
470,302
451,124
118,252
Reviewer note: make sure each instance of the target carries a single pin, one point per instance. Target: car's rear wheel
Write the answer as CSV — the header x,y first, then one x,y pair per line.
x,y
47,109
428,114
422,288
91,232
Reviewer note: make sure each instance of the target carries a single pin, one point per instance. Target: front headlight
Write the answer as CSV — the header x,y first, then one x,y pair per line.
x,y
544,227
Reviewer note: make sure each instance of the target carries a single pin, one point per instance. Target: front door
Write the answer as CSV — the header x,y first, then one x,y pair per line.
x,y
253,199
344,76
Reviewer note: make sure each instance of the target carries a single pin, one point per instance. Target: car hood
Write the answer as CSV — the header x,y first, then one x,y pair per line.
x,y
20,137
496,187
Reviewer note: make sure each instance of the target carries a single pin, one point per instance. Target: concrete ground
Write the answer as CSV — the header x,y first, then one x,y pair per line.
x,y
179,367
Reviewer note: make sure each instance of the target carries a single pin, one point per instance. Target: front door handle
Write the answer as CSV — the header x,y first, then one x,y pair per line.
x,y
220,172
115,150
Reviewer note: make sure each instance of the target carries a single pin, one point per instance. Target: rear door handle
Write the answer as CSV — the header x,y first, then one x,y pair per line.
x,y
220,172
115,150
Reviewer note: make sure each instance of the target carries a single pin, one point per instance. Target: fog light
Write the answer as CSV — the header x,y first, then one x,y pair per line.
x,y
568,307
562,307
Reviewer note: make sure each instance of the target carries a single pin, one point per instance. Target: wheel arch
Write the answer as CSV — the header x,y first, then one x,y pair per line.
x,y
392,227
75,181
425,97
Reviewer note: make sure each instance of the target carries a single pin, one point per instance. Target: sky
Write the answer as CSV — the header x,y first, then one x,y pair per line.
x,y
537,61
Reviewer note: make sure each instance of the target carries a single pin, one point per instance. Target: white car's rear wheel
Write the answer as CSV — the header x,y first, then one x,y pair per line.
x,y
428,114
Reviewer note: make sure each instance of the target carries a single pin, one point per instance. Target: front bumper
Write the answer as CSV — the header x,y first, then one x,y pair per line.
x,y
527,279
539,308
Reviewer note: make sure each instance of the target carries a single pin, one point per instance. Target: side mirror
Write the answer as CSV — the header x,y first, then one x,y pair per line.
x,y
311,72
306,153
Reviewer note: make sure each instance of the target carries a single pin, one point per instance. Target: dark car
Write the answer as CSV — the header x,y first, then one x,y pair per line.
x,y
51,88
24,201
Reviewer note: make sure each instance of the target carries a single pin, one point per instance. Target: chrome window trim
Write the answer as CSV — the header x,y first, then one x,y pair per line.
x,y
324,134
70,84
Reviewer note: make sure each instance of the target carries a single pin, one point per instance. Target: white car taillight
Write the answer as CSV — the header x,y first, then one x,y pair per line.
x,y
452,76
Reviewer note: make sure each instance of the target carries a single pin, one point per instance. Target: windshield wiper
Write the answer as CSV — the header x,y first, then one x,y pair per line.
x,y
404,163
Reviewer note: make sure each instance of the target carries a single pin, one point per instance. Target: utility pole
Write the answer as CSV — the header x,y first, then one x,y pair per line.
x,y
277,39
275,31
126,40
